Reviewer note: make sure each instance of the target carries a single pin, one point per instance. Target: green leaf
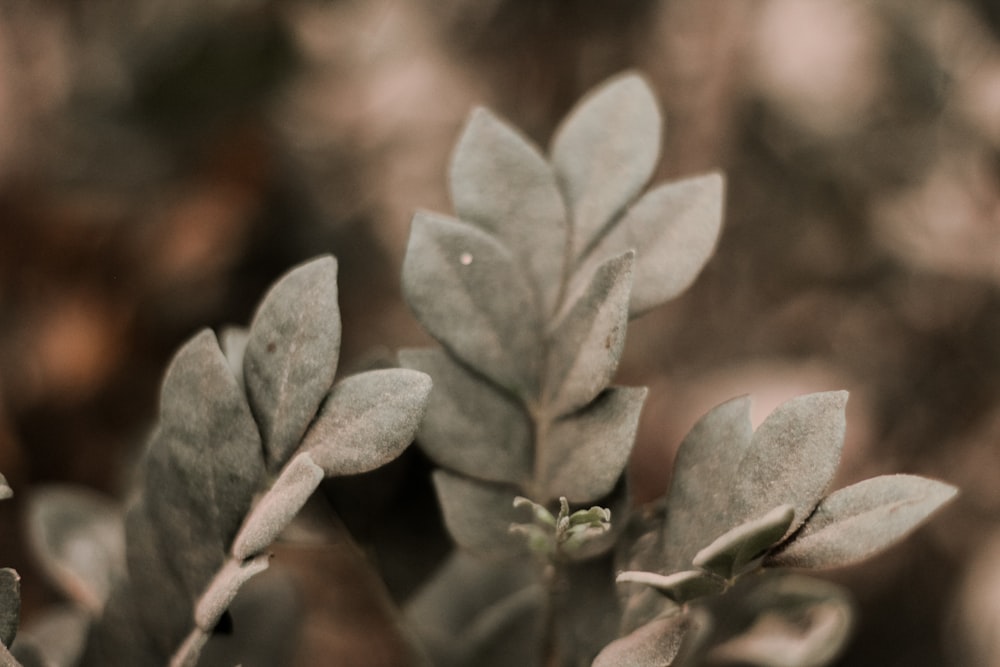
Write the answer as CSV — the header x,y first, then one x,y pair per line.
x,y
604,153
204,462
861,520
502,183
10,604
467,290
705,470
586,452
291,355
78,537
471,426
276,509
795,622
368,420
680,586
479,515
673,229
731,552
655,644
587,343
793,456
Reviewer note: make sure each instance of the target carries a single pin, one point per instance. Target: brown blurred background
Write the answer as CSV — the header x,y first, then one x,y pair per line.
x,y
161,162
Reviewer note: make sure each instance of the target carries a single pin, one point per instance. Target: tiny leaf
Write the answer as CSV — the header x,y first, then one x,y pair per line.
x,y
479,515
861,520
604,153
731,552
291,354
656,643
588,342
276,509
586,452
368,420
673,229
10,604
680,586
471,426
502,183
467,290
705,470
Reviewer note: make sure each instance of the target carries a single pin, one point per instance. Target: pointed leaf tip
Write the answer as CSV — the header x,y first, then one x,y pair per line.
x,y
728,555
861,520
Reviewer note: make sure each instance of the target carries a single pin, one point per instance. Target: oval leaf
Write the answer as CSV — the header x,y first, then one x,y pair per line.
x,y
204,463
655,643
468,292
730,553
10,604
586,452
793,456
588,342
471,426
479,515
673,229
705,470
79,538
604,153
368,420
861,520
291,355
276,509
501,182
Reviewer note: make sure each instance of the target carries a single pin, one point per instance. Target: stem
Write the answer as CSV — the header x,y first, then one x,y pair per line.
x,y
189,652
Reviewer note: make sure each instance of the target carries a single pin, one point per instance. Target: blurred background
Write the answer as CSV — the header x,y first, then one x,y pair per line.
x,y
162,162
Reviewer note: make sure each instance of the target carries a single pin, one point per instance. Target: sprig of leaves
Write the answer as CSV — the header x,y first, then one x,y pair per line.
x,y
245,435
529,290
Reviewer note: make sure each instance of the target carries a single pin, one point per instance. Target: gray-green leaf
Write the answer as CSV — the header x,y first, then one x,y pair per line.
x,y
861,520
471,426
204,462
233,341
291,354
479,515
79,539
466,289
674,229
604,153
502,183
586,452
10,604
731,552
368,420
587,343
655,644
680,586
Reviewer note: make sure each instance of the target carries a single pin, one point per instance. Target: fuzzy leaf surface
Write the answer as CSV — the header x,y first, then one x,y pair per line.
x,y
673,228
792,457
79,539
587,343
604,153
291,354
502,183
586,452
471,426
731,552
368,420
679,586
466,289
10,604
204,462
705,470
479,515
856,522
655,644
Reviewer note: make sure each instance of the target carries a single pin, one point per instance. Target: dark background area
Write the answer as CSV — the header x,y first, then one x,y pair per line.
x,y
161,163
